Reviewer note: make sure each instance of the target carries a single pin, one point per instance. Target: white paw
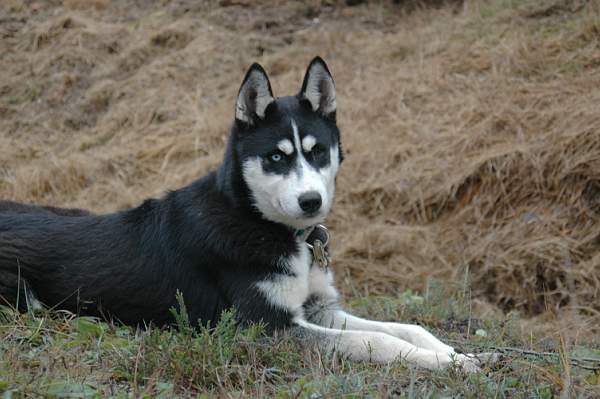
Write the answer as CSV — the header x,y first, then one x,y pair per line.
x,y
488,358
468,363
473,362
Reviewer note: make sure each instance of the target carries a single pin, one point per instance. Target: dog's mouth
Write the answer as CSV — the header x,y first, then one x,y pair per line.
x,y
299,220
307,220
309,215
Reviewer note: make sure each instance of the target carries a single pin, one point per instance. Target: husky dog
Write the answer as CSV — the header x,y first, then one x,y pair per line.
x,y
242,236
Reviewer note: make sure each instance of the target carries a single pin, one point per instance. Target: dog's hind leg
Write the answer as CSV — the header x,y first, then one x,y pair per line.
x,y
16,293
377,347
31,302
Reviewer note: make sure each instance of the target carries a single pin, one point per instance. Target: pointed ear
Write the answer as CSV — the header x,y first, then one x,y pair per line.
x,y
254,96
318,88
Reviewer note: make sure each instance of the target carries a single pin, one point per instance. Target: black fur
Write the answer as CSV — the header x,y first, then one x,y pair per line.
x,y
9,206
206,240
129,265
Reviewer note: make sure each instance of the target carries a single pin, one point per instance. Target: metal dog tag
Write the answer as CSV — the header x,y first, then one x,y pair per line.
x,y
320,254
315,243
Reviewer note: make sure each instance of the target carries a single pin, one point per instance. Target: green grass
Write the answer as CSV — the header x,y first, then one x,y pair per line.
x,y
55,354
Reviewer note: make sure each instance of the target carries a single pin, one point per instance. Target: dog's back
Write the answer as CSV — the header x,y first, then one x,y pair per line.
x,y
15,207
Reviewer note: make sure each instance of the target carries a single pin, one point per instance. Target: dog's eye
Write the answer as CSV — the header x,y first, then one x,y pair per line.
x,y
317,151
275,157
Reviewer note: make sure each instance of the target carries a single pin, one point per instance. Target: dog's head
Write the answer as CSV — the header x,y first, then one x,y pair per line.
x,y
289,147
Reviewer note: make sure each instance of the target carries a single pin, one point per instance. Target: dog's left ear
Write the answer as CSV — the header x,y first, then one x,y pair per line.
x,y
318,88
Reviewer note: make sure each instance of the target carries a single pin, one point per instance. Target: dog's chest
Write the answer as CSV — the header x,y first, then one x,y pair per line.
x,y
303,280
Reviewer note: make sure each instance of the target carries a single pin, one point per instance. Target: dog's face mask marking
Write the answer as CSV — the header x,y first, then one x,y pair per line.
x,y
290,151
295,189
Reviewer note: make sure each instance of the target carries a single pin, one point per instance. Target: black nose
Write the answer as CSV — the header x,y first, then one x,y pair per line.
x,y
310,202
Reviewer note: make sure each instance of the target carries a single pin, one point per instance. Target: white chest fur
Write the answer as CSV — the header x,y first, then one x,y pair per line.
x,y
290,291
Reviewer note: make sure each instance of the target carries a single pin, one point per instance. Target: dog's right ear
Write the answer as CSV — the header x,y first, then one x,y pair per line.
x,y
254,97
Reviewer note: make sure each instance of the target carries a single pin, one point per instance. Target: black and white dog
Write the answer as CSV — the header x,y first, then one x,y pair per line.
x,y
238,237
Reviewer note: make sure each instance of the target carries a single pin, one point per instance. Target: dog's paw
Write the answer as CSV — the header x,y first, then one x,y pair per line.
x,y
468,363
488,358
475,362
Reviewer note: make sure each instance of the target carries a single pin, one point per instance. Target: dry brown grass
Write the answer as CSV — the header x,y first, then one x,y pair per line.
x,y
471,130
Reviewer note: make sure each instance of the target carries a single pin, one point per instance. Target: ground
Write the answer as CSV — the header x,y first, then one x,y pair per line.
x,y
469,200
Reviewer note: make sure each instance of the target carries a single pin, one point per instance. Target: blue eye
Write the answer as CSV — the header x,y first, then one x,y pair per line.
x,y
276,157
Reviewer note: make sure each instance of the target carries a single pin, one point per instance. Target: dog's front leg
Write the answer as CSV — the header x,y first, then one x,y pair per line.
x,y
406,338
323,309
377,347
416,335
